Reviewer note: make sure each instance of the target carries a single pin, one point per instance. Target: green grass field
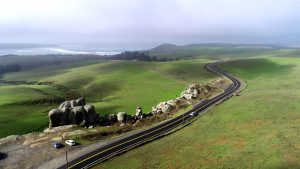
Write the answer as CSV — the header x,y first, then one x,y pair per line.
x,y
112,86
259,129
20,111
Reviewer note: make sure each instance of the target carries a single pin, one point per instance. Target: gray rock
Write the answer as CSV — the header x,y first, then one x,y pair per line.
x,y
156,111
166,108
192,91
65,104
73,112
92,115
77,115
163,107
174,102
112,118
121,116
139,113
187,95
73,103
58,117
81,102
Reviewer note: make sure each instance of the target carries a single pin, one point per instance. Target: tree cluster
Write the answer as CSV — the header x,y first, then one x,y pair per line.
x,y
140,56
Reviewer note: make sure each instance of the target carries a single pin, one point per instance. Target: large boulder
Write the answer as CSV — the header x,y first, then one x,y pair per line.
x,y
195,93
81,102
186,95
73,103
121,116
163,107
198,91
156,111
174,102
192,91
112,118
58,117
166,108
107,120
65,104
77,115
92,115
73,112
139,113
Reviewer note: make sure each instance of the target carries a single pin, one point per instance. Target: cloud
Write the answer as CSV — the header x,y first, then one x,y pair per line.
x,y
143,20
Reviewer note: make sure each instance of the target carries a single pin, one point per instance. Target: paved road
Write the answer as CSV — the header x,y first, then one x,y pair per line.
x,y
124,144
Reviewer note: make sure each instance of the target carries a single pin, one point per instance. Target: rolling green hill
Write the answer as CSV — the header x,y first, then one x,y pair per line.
x,y
259,129
22,109
112,86
221,51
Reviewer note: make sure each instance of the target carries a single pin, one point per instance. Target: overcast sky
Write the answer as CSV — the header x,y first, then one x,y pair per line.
x,y
150,21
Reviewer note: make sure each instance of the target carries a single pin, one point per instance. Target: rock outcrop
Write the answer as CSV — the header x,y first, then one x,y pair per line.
x,y
92,117
73,103
165,107
112,118
138,113
59,117
73,112
121,116
195,91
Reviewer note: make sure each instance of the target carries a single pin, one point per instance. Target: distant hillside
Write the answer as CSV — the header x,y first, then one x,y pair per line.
x,y
165,47
212,50
168,46
35,61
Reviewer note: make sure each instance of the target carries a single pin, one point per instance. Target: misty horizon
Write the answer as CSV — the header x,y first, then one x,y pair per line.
x,y
149,23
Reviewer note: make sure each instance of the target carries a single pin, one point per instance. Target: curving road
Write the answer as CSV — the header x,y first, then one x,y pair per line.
x,y
126,143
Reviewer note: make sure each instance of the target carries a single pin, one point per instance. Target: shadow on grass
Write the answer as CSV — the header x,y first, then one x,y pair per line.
x,y
106,110
189,71
251,68
102,90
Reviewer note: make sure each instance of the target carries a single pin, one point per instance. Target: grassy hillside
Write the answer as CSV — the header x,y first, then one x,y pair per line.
x,y
21,110
36,61
112,86
259,129
221,51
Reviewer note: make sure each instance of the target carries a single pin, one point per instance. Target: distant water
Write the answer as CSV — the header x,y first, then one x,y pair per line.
x,y
67,49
